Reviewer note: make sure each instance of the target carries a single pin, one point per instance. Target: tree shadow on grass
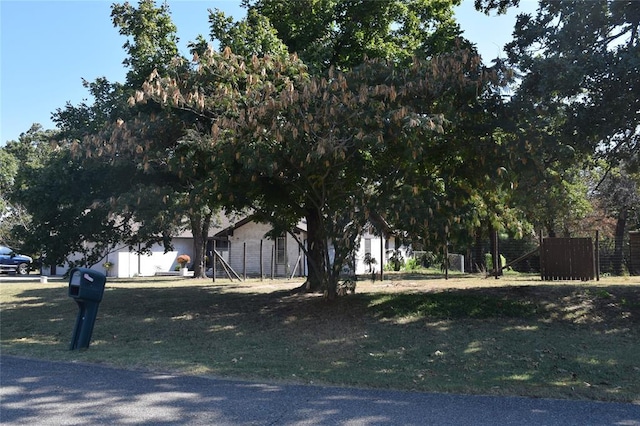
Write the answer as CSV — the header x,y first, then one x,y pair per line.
x,y
560,341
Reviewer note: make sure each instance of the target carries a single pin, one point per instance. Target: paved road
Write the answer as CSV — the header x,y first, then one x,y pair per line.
x,y
55,393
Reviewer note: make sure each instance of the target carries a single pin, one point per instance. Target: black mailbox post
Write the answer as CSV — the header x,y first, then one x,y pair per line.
x,y
86,286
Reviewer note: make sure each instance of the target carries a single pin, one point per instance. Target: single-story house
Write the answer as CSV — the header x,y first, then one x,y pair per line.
x,y
244,249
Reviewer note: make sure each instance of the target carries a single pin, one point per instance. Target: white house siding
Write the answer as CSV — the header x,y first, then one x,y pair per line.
x,y
376,252
244,253
129,264
245,244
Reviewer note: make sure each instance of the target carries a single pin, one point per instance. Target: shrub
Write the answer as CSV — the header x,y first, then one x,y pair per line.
x,y
488,258
412,264
183,260
396,261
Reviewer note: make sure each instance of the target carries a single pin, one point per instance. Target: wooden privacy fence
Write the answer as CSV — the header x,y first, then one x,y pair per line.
x,y
567,259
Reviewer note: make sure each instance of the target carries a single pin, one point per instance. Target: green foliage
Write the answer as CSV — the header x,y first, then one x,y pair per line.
x,y
488,261
580,62
68,202
30,152
429,259
8,171
500,6
254,35
412,264
295,138
369,261
396,261
580,83
385,111
75,122
152,40
555,197
310,146
619,189
156,187
343,34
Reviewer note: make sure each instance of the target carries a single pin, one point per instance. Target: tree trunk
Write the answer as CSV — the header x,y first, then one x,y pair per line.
x,y
331,290
494,250
316,253
551,229
618,255
200,229
478,262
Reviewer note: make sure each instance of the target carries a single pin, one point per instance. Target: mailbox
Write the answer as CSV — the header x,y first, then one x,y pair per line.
x,y
86,284
86,287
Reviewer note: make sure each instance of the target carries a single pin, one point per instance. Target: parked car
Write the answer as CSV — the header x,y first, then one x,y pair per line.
x,y
10,261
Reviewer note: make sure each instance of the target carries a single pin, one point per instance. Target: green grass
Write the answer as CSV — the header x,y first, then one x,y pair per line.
x,y
467,335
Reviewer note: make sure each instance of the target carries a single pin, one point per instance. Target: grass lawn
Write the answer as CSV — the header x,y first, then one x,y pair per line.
x,y
512,336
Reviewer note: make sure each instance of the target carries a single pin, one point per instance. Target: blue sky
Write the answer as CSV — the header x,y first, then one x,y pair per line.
x,y
48,47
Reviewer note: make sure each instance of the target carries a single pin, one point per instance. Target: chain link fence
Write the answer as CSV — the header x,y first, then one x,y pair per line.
x,y
614,257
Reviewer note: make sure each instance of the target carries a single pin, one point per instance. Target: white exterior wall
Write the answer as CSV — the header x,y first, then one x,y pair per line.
x,y
245,243
379,252
376,250
128,264
246,237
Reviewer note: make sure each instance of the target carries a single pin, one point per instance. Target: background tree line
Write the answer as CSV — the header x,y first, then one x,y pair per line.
x,y
343,113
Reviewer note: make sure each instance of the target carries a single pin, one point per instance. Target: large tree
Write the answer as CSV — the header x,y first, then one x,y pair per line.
x,y
619,191
30,151
322,147
579,63
8,171
145,142
342,34
580,60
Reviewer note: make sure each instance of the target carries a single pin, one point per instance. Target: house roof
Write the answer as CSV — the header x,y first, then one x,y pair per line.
x,y
219,223
223,225
300,227
378,221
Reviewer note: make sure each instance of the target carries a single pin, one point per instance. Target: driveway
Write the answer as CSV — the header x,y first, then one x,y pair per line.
x,y
58,393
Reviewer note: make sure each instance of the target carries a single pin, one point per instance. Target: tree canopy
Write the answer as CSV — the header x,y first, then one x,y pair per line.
x,y
343,113
579,61
580,76
343,34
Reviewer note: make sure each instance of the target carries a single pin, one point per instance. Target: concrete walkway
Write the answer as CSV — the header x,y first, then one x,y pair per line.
x,y
46,393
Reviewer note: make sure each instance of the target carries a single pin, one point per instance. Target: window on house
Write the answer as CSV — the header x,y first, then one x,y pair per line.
x,y
367,245
280,250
